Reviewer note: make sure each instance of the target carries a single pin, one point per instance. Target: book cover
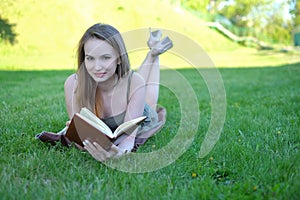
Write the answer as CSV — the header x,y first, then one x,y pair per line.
x,y
91,128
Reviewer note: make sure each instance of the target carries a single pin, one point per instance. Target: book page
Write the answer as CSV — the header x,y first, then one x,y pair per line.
x,y
91,116
129,126
86,130
107,132
126,127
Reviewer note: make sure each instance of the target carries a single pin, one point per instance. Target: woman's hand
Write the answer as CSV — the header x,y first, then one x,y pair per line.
x,y
68,123
100,153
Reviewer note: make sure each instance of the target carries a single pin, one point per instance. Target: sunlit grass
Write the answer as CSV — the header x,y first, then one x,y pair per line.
x,y
48,32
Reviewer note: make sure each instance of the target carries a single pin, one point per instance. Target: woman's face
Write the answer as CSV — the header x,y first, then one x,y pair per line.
x,y
100,59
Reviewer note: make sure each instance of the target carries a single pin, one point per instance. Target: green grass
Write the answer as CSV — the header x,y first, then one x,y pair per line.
x,y
257,156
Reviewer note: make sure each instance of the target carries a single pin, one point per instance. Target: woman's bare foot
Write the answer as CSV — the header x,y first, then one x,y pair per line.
x,y
161,46
154,38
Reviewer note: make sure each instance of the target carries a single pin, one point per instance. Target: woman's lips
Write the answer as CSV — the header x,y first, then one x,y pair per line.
x,y
100,74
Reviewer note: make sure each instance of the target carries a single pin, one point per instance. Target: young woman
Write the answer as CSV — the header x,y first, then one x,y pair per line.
x,y
105,84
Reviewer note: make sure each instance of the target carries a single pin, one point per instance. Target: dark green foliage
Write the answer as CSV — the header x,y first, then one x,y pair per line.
x,y
261,19
7,33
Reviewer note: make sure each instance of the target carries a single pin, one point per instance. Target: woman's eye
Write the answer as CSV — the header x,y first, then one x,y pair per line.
x,y
106,57
89,58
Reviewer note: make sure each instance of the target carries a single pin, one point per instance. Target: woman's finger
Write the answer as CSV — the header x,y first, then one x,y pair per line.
x,y
89,145
115,149
68,123
101,150
99,153
93,151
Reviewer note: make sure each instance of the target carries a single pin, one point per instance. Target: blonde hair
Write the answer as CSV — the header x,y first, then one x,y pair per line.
x,y
86,93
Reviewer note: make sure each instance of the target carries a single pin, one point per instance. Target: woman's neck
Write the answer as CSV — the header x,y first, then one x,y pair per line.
x,y
109,84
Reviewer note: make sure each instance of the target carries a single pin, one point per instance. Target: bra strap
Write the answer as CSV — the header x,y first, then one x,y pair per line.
x,y
128,85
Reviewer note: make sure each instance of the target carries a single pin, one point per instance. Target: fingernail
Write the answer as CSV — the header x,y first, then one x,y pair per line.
x,y
85,142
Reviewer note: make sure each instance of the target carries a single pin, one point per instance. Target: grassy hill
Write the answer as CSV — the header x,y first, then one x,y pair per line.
x,y
48,32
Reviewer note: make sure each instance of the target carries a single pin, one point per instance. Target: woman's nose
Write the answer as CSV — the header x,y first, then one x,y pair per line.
x,y
98,64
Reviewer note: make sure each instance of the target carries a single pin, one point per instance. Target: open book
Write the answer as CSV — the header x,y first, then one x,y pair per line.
x,y
86,125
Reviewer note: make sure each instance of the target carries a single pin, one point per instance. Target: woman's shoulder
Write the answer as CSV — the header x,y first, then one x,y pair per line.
x,y
132,80
136,84
70,81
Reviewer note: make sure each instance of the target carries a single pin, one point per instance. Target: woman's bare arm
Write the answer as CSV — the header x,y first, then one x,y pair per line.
x,y
135,109
69,94
136,104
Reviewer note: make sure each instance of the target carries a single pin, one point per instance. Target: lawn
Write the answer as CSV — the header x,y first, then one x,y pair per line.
x,y
256,157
